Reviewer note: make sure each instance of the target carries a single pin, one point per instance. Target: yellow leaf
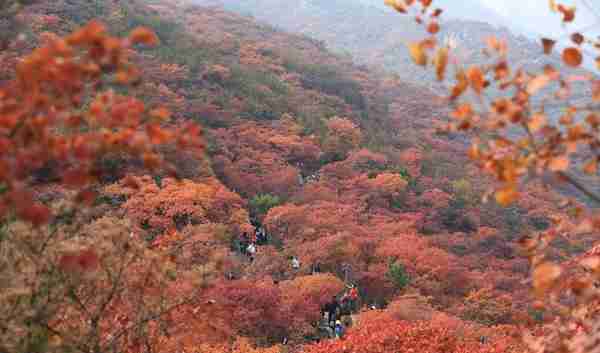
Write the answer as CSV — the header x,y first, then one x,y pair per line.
x,y
441,61
417,53
536,122
396,4
559,164
552,4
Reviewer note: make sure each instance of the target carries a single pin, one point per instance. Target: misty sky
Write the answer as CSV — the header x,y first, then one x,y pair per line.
x,y
535,15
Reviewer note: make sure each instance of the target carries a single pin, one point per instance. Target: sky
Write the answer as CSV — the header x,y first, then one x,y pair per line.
x,y
536,17
532,18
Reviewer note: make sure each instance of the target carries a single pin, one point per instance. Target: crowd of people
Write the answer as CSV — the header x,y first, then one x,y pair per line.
x,y
335,314
248,245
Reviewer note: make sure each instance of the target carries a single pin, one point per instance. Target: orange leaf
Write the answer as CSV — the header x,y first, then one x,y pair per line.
x,y
596,90
559,164
506,195
572,56
537,121
143,35
433,27
463,111
396,5
593,120
568,13
544,277
417,53
501,70
162,114
577,38
441,61
548,45
591,166
461,85
476,79
537,83
474,152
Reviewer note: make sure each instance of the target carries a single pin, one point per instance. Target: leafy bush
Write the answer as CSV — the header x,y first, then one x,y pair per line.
x,y
398,275
539,222
463,193
455,220
329,80
262,203
263,92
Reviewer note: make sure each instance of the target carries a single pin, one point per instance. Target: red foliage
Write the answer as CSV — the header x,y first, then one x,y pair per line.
x,y
390,335
175,204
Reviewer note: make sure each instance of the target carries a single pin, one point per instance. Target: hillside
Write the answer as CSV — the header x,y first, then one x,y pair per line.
x,y
339,163
377,36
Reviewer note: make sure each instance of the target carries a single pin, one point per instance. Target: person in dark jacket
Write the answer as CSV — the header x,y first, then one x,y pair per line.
x,y
331,308
244,242
316,268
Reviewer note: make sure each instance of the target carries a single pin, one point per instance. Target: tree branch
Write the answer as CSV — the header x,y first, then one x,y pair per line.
x,y
579,186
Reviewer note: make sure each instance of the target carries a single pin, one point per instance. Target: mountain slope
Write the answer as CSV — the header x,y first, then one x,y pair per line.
x,y
339,163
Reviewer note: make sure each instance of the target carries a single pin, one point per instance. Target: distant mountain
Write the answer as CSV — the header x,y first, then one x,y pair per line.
x,y
376,35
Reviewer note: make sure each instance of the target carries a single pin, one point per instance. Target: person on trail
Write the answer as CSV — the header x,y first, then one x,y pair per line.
x,y
331,308
316,268
251,250
295,263
339,329
353,298
244,242
261,236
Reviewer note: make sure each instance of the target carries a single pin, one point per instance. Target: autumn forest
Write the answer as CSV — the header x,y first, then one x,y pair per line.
x,y
181,178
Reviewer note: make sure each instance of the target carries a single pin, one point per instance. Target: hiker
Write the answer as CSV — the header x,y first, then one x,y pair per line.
x,y
244,243
316,268
261,236
295,263
352,296
251,250
331,309
339,329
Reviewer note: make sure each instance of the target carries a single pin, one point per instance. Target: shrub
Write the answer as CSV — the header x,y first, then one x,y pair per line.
x,y
262,203
329,80
398,275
